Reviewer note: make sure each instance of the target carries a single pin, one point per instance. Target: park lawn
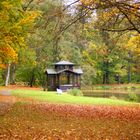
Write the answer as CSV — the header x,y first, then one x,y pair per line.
x,y
53,97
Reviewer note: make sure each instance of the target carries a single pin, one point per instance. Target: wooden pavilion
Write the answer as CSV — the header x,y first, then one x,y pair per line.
x,y
63,76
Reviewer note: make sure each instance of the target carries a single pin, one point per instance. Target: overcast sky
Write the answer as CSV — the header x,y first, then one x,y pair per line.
x,y
69,1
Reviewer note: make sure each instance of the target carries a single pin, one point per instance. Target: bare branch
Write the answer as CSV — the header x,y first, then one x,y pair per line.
x,y
70,5
73,21
129,20
26,7
118,30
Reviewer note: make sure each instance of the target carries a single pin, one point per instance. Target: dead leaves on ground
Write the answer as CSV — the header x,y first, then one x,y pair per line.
x,y
66,122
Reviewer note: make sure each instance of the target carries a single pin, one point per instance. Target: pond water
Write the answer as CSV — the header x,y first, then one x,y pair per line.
x,y
108,94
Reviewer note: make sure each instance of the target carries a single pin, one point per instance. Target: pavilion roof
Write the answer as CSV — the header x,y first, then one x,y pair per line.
x,y
53,71
64,63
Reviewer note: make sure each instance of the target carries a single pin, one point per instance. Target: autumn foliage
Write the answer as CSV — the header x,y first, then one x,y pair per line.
x,y
55,121
14,26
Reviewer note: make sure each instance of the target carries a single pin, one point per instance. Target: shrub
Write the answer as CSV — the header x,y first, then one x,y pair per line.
x,y
106,87
132,97
102,87
130,88
75,92
133,87
113,97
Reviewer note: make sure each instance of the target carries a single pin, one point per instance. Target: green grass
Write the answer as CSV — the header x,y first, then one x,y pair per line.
x,y
53,97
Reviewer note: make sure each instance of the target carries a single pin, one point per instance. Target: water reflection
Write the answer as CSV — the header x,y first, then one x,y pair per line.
x,y
108,94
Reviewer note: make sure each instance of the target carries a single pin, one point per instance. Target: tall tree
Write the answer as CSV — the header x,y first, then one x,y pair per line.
x,y
14,25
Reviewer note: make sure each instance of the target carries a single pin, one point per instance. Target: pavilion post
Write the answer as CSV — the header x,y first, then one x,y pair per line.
x,y
45,83
68,78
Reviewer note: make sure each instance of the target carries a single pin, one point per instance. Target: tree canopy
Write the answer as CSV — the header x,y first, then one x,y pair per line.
x,y
101,36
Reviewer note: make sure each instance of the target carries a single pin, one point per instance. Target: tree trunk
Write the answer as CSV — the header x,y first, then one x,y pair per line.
x,y
129,74
32,80
12,74
119,79
8,75
106,72
104,79
45,82
129,66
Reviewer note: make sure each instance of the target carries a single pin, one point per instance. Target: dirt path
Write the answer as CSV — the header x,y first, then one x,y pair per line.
x,y
6,101
5,92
